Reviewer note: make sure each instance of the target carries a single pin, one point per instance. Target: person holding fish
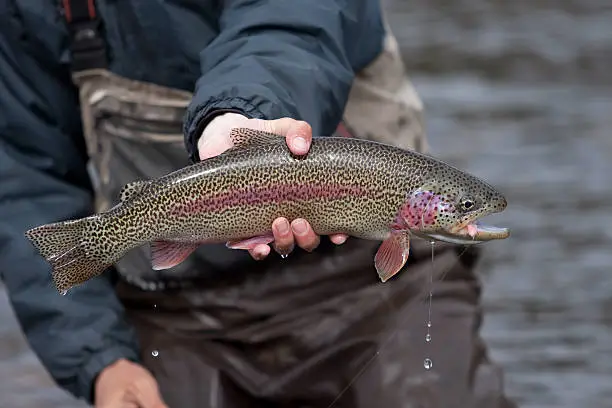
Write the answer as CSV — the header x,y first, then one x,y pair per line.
x,y
260,284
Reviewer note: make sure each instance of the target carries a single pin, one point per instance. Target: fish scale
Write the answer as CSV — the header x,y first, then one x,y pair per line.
x,y
331,165
361,188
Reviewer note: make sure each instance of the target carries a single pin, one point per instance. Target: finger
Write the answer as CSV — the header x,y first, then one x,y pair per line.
x,y
260,252
145,393
144,399
283,236
338,239
117,403
299,138
304,235
297,133
128,404
277,126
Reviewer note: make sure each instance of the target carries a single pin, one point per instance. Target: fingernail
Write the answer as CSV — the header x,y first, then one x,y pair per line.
x,y
282,227
299,143
340,240
299,226
313,246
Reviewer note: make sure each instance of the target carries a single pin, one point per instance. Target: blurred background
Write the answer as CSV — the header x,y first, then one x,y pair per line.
x,y
518,92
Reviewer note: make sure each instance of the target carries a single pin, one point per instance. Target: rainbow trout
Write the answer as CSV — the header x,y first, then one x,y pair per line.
x,y
361,188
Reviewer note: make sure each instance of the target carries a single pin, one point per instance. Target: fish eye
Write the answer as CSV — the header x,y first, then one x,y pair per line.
x,y
467,203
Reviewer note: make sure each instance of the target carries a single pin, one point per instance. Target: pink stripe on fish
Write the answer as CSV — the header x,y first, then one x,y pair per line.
x,y
269,194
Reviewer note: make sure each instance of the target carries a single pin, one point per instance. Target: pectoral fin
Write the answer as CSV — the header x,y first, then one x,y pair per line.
x,y
250,243
392,255
166,254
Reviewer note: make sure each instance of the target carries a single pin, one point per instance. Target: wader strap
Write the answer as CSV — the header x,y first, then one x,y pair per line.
x,y
87,44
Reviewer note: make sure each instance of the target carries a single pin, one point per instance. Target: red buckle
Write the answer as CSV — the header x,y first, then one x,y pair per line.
x,y
68,12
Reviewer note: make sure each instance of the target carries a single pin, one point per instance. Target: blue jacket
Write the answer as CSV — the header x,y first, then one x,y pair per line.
x,y
265,58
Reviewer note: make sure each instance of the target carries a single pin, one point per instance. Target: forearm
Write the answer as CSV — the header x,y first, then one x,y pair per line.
x,y
277,59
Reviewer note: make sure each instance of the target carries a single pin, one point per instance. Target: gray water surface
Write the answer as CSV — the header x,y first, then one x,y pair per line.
x,y
520,93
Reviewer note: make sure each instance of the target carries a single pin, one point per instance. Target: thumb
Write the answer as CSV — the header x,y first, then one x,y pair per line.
x,y
297,133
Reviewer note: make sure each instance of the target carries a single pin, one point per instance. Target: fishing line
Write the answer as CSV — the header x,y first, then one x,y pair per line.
x,y
403,319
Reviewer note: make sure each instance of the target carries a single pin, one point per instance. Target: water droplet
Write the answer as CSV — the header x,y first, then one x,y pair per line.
x,y
155,306
64,292
284,256
155,353
427,363
429,323
428,337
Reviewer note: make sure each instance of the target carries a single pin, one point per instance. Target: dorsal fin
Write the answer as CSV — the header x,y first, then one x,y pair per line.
x,y
130,190
243,137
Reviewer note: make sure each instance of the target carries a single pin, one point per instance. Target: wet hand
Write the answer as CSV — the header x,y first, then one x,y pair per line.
x,y
124,384
298,134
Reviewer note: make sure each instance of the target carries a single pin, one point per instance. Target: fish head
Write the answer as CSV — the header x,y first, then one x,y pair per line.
x,y
449,205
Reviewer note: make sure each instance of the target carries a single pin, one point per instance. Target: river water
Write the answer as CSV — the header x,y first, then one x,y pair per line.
x,y
518,92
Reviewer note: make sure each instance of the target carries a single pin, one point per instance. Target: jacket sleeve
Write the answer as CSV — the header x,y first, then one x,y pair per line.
x,y
276,58
42,180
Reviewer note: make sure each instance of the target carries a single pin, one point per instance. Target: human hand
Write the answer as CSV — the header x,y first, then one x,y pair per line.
x,y
216,139
124,384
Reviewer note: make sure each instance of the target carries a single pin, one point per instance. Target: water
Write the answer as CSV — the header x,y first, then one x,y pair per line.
x,y
427,363
520,93
23,382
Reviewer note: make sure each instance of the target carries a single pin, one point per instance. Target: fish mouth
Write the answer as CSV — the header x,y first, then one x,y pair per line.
x,y
471,233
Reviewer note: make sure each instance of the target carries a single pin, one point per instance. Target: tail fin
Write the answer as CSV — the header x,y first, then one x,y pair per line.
x,y
62,245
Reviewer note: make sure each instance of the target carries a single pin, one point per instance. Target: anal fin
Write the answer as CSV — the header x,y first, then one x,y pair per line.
x,y
166,254
392,255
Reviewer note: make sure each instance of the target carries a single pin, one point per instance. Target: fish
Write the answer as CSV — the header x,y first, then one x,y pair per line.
x,y
361,188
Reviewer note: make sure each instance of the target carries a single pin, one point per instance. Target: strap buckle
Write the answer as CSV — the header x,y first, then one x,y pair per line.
x,y
87,44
